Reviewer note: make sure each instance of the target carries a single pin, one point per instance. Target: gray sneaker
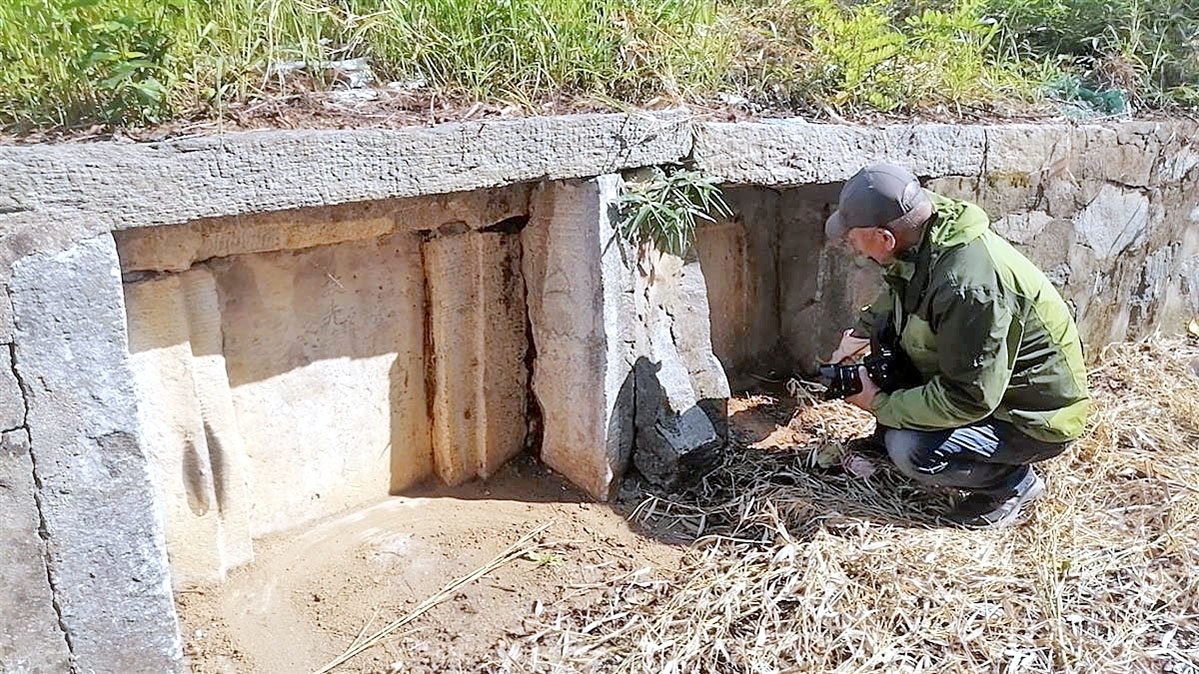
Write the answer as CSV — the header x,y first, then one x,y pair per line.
x,y
992,511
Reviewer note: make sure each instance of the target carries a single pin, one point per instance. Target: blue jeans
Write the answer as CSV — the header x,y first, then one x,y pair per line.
x,y
989,456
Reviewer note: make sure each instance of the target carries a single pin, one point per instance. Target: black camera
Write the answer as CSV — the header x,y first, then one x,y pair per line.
x,y
887,366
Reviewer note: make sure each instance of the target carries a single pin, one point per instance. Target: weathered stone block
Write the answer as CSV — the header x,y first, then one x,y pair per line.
x,y
479,340
610,336
818,282
12,401
681,388
676,439
687,305
31,638
104,531
189,425
86,187
324,350
792,152
580,297
739,258
1114,220
173,429
178,247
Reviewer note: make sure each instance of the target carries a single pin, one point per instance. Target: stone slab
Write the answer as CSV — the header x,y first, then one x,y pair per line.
x,y
582,316
172,429
105,540
31,638
676,438
91,187
739,259
794,152
324,350
679,294
819,285
479,342
189,425
178,247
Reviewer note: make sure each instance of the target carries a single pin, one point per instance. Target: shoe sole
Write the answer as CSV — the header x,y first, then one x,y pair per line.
x,y
1034,493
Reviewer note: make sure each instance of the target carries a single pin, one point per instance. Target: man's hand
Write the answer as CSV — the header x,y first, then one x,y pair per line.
x,y
865,399
850,347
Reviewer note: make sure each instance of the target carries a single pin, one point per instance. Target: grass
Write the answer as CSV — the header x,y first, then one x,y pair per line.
x,y
127,62
660,206
800,569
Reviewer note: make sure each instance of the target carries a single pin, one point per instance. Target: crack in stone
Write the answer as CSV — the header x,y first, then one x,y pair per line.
x,y
986,162
43,531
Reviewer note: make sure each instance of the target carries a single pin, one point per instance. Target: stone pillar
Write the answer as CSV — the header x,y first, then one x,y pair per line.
x,y
104,532
583,322
479,342
624,355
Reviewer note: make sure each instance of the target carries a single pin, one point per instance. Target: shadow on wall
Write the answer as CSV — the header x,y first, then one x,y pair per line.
x,y
304,375
779,295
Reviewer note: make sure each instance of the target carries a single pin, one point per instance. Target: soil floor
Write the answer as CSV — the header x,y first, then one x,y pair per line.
x,y
310,592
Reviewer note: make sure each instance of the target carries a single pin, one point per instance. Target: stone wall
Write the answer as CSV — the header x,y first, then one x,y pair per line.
x,y
268,270
293,365
1109,213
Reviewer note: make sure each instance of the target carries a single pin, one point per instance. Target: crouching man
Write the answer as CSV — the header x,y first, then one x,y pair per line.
x,y
1002,383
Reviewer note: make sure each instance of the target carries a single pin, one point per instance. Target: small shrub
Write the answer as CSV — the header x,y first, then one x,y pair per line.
x,y
662,206
1149,48
85,60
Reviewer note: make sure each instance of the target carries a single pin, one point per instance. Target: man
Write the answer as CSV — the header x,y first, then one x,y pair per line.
x,y
999,357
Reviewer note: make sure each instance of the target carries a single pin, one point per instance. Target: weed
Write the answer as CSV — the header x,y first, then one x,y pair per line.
x,y
662,205
66,63
545,558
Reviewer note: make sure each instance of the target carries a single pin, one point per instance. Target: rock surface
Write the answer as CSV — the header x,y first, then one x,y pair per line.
x,y
107,552
621,367
479,342
31,638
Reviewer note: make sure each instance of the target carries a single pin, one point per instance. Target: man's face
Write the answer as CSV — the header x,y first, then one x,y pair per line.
x,y
875,243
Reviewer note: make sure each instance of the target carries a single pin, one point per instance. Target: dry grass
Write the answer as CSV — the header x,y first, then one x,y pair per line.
x,y
801,570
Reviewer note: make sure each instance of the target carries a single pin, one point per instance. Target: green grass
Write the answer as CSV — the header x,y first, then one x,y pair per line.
x,y
124,62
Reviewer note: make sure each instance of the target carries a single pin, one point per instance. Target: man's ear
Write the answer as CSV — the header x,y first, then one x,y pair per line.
x,y
887,238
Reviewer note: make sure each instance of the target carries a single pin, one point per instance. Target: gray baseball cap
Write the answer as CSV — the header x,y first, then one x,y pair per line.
x,y
881,195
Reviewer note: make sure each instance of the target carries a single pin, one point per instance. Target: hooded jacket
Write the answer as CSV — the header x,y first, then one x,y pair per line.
x,y
988,332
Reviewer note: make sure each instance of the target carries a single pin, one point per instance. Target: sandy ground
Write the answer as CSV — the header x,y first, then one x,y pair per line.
x,y
310,592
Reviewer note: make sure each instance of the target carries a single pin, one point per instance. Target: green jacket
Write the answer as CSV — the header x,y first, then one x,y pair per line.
x,y
989,333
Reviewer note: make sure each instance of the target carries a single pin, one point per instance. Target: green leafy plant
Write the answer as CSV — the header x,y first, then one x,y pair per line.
x,y
662,205
1148,48
85,61
71,63
128,65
